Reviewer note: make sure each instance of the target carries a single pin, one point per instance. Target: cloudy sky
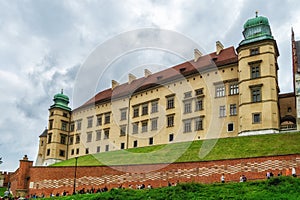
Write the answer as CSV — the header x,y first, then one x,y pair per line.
x,y
43,45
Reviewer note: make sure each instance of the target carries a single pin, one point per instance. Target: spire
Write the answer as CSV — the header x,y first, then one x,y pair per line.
x,y
61,101
256,29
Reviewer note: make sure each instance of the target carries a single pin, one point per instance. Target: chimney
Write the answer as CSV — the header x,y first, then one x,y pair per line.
x,y
131,78
114,84
147,72
197,55
219,47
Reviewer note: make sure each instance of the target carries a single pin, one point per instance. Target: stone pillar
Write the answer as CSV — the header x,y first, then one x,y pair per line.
x,y
23,177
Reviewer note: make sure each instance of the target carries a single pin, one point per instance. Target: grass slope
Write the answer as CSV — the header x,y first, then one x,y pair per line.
x,y
202,150
277,188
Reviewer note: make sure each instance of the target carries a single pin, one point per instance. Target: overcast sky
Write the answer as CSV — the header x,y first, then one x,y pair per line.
x,y
44,43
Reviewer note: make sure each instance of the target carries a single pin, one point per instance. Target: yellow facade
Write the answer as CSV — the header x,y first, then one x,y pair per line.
x,y
226,93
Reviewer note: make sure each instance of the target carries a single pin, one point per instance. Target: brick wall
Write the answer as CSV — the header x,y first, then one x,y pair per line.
x,y
57,179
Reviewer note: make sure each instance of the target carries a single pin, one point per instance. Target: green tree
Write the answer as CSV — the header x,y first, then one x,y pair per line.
x,y
1,160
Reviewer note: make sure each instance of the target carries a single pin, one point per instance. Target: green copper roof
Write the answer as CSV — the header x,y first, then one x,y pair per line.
x,y
256,29
61,101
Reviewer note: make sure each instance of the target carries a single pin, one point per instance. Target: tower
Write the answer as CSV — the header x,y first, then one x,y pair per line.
x,y
58,130
258,85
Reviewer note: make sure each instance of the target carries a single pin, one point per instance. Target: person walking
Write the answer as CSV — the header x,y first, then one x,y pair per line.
x,y
223,178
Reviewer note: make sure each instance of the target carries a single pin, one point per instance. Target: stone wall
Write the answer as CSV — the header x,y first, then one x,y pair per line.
x,y
57,179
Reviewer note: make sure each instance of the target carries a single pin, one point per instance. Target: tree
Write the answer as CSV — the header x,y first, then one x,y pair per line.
x,y
1,160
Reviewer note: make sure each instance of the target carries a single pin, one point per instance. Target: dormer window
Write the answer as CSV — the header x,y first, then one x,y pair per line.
x,y
182,69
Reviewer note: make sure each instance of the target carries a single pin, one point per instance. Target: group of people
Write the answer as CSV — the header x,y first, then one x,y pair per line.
x,y
269,175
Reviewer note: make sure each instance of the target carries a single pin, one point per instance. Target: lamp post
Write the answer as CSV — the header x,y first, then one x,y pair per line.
x,y
74,187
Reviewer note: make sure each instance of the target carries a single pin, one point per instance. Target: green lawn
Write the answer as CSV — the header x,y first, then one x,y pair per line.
x,y
276,188
2,190
202,150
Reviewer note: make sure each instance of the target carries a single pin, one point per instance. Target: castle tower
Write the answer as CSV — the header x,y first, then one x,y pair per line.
x,y
258,85
42,148
58,130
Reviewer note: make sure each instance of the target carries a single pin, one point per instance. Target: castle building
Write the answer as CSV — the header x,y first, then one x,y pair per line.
x,y
228,93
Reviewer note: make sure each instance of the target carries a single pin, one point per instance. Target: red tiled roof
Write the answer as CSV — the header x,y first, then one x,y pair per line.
x,y
226,56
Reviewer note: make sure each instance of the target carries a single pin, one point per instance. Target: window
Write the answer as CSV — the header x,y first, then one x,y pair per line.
x,y
99,120
255,70
234,89
256,118
77,139
49,137
145,109
154,124
188,94
90,122
230,127
72,126
187,107
64,125
71,140
72,152
123,130
151,141
170,120
107,118
187,126
122,145
98,149
135,127
198,104
289,109
63,139
77,151
65,114
135,111
254,51
144,126
220,91
199,91
78,125
135,143
233,109
198,124
48,152
98,135
154,106
61,153
106,133
222,111
50,124
86,150
42,143
170,102
107,147
256,94
123,114
171,137
89,137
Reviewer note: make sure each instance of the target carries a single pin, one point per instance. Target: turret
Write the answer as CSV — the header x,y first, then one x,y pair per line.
x,y
58,130
258,84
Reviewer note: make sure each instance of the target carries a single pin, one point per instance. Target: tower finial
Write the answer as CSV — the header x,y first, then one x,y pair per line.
x,y
62,91
256,13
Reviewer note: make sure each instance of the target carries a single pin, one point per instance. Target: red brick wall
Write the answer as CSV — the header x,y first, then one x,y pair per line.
x,y
57,179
